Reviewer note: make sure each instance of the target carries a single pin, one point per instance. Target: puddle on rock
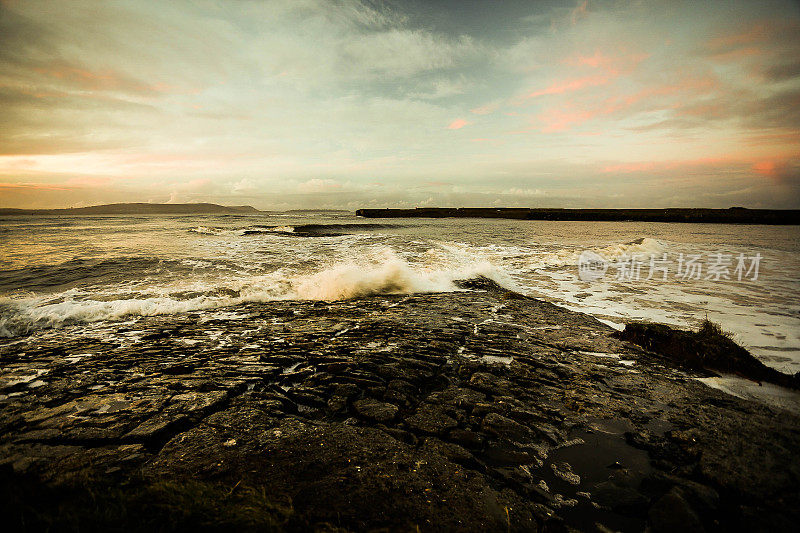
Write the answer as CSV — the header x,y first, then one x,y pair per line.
x,y
574,472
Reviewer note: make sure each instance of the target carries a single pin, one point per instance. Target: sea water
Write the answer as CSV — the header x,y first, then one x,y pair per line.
x,y
58,271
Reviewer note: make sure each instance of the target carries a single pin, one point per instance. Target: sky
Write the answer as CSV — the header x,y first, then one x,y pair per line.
x,y
344,104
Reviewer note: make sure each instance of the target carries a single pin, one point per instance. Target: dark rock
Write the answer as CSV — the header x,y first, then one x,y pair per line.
x,y
673,513
431,419
508,454
382,425
708,348
375,410
702,498
480,283
466,438
450,451
620,498
505,428
489,383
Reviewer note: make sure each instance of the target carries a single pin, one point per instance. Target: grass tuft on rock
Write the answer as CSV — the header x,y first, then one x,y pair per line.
x,y
711,329
709,348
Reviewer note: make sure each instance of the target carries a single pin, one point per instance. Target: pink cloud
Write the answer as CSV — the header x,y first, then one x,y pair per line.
x,y
613,64
486,109
576,112
596,60
611,67
457,124
755,32
571,85
556,120
737,54
626,168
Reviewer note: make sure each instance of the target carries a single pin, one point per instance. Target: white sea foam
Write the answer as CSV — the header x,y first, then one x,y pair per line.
x,y
206,230
643,247
382,272
767,393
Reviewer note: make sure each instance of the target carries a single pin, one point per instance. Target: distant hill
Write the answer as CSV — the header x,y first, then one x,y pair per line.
x,y
139,209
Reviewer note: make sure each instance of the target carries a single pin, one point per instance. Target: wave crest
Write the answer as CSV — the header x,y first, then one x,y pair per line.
x,y
383,272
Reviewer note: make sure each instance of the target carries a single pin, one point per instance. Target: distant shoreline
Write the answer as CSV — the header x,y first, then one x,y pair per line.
x,y
734,215
139,209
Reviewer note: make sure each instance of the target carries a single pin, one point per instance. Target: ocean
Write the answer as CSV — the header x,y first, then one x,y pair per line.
x,y
67,273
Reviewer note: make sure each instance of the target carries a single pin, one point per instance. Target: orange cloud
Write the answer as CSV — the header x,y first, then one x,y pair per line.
x,y
773,168
87,181
33,186
768,168
457,124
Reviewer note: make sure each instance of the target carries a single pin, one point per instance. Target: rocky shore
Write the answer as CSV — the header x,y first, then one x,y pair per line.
x,y
476,411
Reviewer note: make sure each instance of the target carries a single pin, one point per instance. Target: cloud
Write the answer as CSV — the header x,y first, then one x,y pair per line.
x,y
569,85
244,185
579,12
307,102
486,109
317,185
402,53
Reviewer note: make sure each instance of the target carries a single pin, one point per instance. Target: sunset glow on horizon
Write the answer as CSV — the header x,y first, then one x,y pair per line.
x,y
290,104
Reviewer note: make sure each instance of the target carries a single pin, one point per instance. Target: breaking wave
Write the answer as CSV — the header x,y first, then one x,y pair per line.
x,y
384,272
300,230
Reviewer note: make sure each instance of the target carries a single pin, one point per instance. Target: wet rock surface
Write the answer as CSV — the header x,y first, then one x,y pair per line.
x,y
474,411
